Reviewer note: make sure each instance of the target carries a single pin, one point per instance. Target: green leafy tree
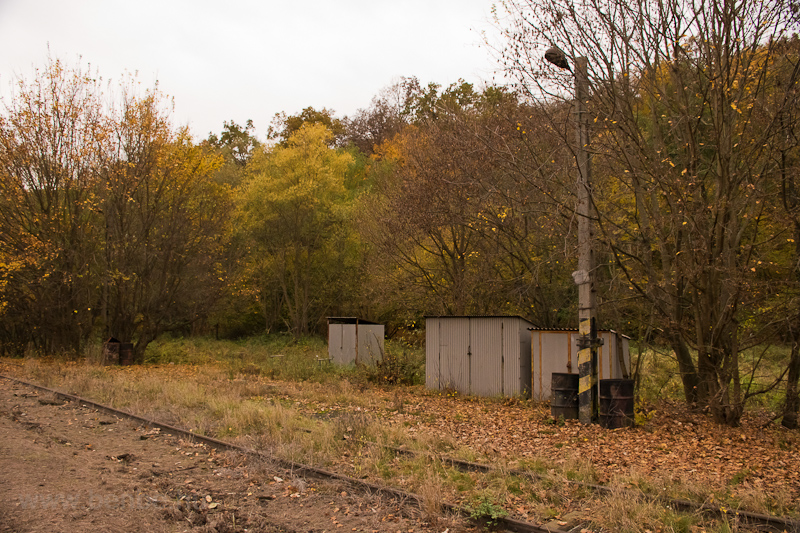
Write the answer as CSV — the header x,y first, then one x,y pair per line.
x,y
294,216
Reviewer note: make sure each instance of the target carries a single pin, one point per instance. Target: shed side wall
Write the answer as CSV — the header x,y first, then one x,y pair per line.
x,y
551,353
486,356
370,343
335,340
432,354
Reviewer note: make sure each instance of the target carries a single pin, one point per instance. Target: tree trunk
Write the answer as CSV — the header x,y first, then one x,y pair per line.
x,y
791,405
689,376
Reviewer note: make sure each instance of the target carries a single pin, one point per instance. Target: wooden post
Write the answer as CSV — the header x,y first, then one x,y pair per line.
x,y
584,276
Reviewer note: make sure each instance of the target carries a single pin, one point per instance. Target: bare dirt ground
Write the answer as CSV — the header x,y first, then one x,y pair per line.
x,y
69,468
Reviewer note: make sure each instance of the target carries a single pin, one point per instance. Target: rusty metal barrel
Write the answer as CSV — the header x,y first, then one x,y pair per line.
x,y
564,402
111,352
616,403
126,353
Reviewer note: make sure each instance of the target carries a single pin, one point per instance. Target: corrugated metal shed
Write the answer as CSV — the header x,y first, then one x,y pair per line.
x,y
478,355
555,350
354,340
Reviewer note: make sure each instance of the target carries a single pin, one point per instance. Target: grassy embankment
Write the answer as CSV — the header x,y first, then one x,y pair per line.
x,y
282,397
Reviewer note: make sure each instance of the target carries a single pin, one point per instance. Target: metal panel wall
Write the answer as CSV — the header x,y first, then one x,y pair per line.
x,y
336,343
454,344
370,343
523,341
552,351
487,357
510,365
342,339
556,351
348,344
609,365
432,354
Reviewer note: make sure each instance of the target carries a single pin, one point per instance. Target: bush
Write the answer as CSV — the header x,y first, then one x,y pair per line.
x,y
486,510
401,367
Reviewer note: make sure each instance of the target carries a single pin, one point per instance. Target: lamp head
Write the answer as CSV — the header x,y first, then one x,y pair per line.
x,y
557,57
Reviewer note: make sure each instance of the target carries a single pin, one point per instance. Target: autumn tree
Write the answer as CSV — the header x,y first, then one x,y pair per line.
x,y
456,231
294,216
236,145
50,226
786,300
110,222
685,160
386,116
164,218
284,126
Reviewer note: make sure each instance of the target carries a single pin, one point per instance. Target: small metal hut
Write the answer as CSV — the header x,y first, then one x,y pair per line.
x,y
354,340
555,351
478,355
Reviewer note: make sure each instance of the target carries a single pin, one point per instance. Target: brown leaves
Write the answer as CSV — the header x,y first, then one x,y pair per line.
x,y
695,451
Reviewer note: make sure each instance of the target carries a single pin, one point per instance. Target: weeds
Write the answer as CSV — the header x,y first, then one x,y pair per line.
x,y
626,513
431,493
397,367
484,509
273,395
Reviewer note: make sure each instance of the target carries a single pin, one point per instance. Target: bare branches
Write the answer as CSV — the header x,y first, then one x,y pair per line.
x,y
687,114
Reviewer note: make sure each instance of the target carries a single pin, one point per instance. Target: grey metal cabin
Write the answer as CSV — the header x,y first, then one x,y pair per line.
x,y
478,355
354,340
555,350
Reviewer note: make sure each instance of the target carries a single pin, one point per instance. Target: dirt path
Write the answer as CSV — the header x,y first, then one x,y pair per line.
x,y
69,468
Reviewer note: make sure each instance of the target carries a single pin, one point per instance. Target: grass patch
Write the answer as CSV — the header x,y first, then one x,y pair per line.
x,y
273,394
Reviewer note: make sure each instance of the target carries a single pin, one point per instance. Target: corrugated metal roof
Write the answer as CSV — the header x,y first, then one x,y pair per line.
x,y
576,329
479,316
349,320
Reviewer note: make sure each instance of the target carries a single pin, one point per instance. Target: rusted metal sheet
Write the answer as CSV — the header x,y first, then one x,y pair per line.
x,y
554,350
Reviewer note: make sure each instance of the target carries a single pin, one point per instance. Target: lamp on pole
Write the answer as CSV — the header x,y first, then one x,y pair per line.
x,y
584,276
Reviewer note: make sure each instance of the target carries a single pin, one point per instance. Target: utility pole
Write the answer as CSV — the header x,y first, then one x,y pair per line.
x,y
584,276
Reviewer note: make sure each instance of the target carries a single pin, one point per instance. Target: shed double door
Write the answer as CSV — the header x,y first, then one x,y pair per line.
x,y
472,355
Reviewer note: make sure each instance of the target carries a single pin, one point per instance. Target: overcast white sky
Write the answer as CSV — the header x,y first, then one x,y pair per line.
x,y
248,59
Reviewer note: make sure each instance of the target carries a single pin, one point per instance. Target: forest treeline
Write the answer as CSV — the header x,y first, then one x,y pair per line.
x,y
436,200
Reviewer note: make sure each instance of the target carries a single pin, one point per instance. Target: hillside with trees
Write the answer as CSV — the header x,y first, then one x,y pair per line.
x,y
436,200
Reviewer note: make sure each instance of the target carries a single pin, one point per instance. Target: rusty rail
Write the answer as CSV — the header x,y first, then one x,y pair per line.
x,y
752,519
509,524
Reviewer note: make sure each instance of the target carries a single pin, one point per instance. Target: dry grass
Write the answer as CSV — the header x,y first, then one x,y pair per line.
x,y
431,493
329,419
624,513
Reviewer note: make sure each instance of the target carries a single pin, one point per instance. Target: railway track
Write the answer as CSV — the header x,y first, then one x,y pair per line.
x,y
752,521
